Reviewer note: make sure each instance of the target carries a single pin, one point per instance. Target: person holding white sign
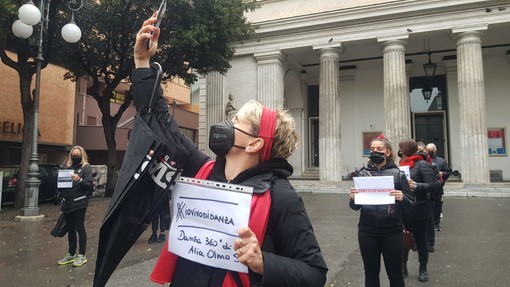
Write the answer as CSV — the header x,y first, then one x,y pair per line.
x,y
423,181
278,246
379,228
74,205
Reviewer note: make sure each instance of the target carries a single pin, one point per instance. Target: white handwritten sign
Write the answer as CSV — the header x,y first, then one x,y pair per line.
x,y
405,169
206,217
64,179
374,190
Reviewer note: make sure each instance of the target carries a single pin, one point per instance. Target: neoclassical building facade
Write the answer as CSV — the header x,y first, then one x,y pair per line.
x,y
350,70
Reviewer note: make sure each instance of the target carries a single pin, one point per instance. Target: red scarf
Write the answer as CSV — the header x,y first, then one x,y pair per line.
x,y
410,160
164,270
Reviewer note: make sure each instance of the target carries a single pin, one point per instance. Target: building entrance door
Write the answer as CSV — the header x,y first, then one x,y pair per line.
x,y
429,112
430,128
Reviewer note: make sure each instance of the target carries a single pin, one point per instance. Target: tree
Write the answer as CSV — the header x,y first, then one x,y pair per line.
x,y
194,35
26,68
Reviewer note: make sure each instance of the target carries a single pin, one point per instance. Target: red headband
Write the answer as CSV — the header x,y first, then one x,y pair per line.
x,y
266,131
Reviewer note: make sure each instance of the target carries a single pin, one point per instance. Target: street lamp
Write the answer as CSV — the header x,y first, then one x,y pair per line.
x,y
427,93
430,73
30,15
430,68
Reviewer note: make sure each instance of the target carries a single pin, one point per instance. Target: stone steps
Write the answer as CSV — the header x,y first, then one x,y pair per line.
x,y
457,189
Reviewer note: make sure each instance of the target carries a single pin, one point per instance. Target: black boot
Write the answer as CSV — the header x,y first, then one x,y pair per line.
x,y
405,272
161,237
405,256
153,238
424,275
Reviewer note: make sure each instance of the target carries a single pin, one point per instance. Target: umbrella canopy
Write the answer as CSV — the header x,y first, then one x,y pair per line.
x,y
152,162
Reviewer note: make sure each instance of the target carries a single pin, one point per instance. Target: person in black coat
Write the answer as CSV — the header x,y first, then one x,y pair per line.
x,y
422,182
74,205
379,228
431,233
289,254
444,172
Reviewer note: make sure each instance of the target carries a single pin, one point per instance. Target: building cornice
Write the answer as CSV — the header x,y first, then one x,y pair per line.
x,y
376,22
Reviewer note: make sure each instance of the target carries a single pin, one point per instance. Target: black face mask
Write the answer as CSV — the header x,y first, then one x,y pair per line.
x,y
76,160
431,154
399,153
377,157
222,138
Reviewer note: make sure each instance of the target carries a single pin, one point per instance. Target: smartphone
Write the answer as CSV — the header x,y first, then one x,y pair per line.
x,y
159,16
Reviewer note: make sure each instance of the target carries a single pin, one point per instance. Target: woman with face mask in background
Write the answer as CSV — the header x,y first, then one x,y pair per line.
x,y
74,205
379,227
423,182
278,246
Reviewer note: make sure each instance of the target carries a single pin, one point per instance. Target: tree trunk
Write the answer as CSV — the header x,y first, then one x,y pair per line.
x,y
109,129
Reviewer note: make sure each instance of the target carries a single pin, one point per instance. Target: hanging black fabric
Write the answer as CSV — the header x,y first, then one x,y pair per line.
x,y
153,159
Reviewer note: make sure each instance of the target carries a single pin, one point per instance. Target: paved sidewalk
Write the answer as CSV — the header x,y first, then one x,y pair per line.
x,y
472,250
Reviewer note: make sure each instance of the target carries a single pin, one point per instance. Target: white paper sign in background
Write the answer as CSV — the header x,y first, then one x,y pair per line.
x,y
205,221
64,179
405,169
374,190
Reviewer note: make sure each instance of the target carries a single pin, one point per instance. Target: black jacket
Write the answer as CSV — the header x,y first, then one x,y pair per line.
x,y
292,256
383,218
426,182
75,198
440,164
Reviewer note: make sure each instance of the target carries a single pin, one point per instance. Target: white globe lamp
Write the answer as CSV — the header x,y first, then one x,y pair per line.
x,y
71,33
29,14
21,30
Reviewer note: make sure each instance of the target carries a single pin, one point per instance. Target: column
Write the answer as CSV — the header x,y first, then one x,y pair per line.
x,y
270,73
396,93
473,127
330,160
214,105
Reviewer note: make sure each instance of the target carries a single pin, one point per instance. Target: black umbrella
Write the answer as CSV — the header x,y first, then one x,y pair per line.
x,y
153,160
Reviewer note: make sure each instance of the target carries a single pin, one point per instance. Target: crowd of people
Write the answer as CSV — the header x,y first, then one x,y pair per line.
x,y
278,246
417,208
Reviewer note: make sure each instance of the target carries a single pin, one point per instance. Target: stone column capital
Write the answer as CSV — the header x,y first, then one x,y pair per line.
x,y
394,37
329,46
396,45
470,28
269,57
469,37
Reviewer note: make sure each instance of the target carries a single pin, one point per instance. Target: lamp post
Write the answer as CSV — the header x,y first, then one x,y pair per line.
x,y
30,15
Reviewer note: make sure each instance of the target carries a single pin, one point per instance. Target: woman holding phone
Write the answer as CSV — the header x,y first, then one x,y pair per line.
x,y
379,227
278,246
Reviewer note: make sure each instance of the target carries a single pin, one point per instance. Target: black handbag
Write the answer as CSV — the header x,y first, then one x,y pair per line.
x,y
60,228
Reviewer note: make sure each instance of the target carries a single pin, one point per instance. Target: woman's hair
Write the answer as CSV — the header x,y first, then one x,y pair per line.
x,y
285,137
432,147
408,147
387,145
84,156
422,146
